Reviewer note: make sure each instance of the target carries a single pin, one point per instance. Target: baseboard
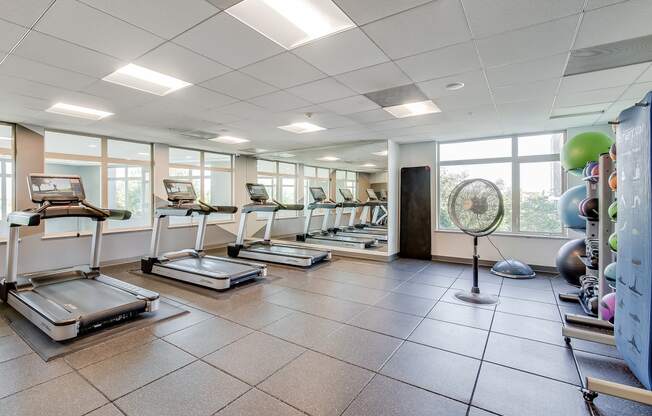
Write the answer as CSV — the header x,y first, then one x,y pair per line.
x,y
489,263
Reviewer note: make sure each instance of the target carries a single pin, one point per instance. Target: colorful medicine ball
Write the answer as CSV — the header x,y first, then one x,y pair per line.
x,y
608,307
588,208
613,181
612,152
589,168
613,211
584,148
611,272
613,242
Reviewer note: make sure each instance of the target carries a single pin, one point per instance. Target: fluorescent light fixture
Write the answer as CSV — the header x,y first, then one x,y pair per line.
x,y
260,150
286,155
568,115
381,153
328,158
78,111
228,140
143,79
368,165
291,23
412,109
302,127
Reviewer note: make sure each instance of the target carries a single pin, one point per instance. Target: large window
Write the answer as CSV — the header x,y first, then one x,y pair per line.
x,y
345,179
6,176
280,180
115,174
314,176
211,175
525,168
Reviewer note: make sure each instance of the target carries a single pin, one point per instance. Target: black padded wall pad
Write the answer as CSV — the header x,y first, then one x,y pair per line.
x,y
415,227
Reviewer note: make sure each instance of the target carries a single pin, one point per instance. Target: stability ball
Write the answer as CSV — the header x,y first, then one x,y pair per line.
x,y
613,242
569,265
584,148
613,211
608,307
610,273
569,207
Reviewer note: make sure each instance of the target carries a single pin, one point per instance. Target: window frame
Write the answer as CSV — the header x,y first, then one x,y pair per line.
x,y
355,190
515,162
277,179
12,176
306,192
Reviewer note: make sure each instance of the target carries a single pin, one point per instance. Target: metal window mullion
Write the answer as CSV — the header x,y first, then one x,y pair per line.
x,y
539,158
516,187
477,161
104,178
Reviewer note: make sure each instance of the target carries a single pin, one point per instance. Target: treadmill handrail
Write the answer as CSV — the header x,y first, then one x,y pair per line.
x,y
83,209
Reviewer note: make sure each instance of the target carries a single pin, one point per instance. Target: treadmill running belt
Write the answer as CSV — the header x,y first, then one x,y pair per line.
x,y
286,250
212,267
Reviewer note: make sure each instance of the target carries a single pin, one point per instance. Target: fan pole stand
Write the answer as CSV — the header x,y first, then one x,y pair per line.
x,y
474,296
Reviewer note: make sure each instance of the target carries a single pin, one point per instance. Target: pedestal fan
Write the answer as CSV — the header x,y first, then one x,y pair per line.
x,y
476,207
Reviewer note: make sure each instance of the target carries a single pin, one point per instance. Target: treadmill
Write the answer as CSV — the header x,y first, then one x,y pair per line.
x,y
264,249
377,205
193,265
350,230
66,303
324,235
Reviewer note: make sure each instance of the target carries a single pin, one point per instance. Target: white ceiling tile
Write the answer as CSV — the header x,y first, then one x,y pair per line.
x,y
474,85
28,88
224,4
578,109
374,78
530,43
371,116
607,78
52,51
646,76
569,122
637,91
83,25
606,95
440,63
342,52
216,116
327,89
46,74
504,15
165,18
283,71
525,92
118,94
431,26
596,4
243,110
11,34
202,97
536,70
464,101
23,12
618,22
350,105
365,11
179,62
228,41
239,85
279,101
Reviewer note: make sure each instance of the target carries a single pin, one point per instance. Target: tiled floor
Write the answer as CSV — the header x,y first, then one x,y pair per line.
x,y
350,337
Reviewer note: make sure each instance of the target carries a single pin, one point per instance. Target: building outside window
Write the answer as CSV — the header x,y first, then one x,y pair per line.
x,y
6,176
280,180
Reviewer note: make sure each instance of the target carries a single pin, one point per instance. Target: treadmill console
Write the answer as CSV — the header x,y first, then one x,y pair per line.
x,y
318,193
346,194
179,190
372,195
382,194
55,188
257,192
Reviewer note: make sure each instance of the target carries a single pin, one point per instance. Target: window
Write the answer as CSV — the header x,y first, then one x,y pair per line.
x,y
280,180
115,174
6,176
211,175
525,168
314,176
345,179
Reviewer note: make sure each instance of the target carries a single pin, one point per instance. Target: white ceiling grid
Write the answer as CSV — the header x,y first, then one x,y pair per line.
x,y
510,55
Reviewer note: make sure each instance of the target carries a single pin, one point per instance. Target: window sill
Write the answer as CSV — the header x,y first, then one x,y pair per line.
x,y
513,235
221,222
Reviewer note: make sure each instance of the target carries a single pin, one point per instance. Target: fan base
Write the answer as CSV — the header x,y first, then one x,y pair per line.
x,y
476,298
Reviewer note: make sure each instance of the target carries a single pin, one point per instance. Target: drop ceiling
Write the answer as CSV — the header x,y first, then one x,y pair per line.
x,y
510,56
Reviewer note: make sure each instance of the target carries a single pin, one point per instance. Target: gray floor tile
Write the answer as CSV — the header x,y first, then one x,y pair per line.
x,y
317,384
27,371
421,290
528,308
526,327
524,293
532,356
474,411
12,347
434,280
363,280
305,330
254,357
359,346
68,395
5,329
207,336
485,287
539,283
406,304
595,348
255,402
335,309
444,269
463,315
387,397
345,291
449,297
388,322
515,393
167,327
257,315
442,372
130,370
106,410
197,389
452,337
110,348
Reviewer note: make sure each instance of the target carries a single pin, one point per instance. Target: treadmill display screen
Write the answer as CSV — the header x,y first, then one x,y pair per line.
x,y
179,190
55,188
371,194
257,192
346,194
318,193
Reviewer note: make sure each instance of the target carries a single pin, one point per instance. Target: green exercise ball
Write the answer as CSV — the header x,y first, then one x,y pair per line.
x,y
584,148
613,211
613,241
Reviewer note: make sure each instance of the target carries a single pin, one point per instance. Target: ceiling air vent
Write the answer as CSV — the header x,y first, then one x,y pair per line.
x,y
610,55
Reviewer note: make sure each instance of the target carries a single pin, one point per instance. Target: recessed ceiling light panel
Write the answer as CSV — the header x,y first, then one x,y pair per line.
x,y
329,158
143,79
291,23
302,127
368,165
413,109
228,140
286,155
78,111
381,153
